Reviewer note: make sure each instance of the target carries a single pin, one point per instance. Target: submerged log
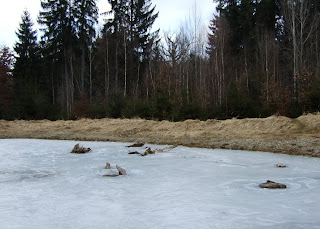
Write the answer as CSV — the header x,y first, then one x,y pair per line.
x,y
107,165
138,144
111,175
134,152
121,170
272,185
280,165
80,150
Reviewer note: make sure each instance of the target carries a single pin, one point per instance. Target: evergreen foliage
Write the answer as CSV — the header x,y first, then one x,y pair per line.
x,y
6,82
29,96
262,57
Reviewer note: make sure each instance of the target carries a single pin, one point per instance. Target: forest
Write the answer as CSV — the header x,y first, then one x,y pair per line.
x,y
257,58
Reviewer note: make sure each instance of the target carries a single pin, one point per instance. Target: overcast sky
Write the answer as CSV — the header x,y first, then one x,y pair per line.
x,y
172,13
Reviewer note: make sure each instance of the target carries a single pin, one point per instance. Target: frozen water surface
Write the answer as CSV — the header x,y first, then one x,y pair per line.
x,y
42,185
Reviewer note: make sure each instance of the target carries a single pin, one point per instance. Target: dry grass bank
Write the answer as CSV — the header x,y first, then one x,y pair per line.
x,y
300,136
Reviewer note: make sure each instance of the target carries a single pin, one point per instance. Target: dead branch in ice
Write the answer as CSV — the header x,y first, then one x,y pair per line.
x,y
121,170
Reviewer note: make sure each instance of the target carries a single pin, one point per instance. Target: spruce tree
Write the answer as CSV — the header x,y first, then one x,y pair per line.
x,y
68,27
86,16
143,19
27,50
26,69
130,28
59,42
58,32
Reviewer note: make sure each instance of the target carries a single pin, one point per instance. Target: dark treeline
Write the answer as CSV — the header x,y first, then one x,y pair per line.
x,y
261,57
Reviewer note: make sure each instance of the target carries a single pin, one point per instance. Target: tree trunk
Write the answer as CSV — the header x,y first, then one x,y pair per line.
x,y
266,68
67,83
246,67
218,79
52,86
317,50
137,85
117,67
82,69
107,71
125,64
90,74
294,43
72,83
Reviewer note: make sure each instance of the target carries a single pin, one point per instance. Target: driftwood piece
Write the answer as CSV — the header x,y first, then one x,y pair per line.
x,y
148,151
134,152
80,150
121,170
107,165
138,144
272,185
280,165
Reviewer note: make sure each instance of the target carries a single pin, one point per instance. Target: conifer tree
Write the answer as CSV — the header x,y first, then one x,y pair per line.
x,y
26,69
142,18
27,49
59,43
69,28
130,28
86,15
6,81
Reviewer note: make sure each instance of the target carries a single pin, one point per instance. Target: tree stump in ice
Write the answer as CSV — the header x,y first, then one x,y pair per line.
x,y
80,150
121,170
107,165
272,185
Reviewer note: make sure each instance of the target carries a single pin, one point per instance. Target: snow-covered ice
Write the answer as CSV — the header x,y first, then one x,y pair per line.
x,y
42,185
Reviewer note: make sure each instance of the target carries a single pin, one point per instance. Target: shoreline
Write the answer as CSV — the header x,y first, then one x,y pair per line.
x,y
276,134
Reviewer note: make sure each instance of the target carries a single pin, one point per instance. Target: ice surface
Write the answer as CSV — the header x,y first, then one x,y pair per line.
x,y
42,185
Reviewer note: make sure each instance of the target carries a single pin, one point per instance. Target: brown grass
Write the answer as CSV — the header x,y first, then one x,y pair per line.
x,y
300,136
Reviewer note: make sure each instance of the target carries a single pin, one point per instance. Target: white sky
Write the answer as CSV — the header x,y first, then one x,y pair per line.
x,y
172,13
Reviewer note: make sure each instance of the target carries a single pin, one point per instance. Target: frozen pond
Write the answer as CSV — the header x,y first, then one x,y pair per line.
x,y
42,185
